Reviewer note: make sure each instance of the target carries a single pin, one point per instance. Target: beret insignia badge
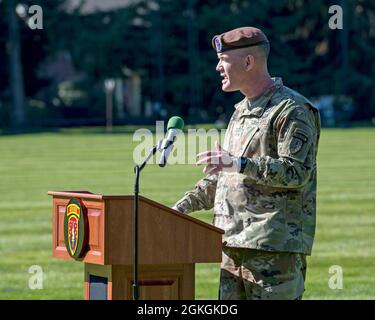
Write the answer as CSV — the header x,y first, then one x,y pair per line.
x,y
217,44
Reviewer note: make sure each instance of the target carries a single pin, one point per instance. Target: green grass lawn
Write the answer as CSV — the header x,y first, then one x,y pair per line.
x,y
30,165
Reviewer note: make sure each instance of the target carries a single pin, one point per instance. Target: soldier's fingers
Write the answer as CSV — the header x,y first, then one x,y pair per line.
x,y
205,169
210,160
203,161
218,146
214,170
208,168
206,154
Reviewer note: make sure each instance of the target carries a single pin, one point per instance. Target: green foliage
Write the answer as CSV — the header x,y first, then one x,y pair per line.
x,y
170,46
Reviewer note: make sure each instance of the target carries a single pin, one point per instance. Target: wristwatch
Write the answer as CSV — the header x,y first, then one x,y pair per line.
x,y
243,163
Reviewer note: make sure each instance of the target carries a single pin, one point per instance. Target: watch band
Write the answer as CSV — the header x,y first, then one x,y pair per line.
x,y
243,163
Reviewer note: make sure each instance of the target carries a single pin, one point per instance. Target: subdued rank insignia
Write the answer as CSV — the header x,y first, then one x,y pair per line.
x,y
75,228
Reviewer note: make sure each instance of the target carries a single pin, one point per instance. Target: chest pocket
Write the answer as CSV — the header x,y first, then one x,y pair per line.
x,y
242,128
247,138
241,136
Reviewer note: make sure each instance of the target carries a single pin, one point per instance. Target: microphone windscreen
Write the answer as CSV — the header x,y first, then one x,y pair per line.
x,y
175,123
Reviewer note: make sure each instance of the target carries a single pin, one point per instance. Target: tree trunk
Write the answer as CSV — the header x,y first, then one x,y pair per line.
x,y
15,70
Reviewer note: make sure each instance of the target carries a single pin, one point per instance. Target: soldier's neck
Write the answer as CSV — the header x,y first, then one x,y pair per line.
x,y
256,86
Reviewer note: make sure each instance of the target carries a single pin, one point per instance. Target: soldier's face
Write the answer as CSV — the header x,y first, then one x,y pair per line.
x,y
232,71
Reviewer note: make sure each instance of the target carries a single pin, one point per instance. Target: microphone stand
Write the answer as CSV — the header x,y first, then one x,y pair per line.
x,y
137,171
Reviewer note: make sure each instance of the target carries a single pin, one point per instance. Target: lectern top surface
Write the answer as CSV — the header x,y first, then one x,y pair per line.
x,y
93,196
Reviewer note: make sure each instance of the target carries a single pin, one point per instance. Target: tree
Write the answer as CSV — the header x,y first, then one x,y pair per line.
x,y
15,69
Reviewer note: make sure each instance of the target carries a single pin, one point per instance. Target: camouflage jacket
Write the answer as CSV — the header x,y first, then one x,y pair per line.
x,y
272,205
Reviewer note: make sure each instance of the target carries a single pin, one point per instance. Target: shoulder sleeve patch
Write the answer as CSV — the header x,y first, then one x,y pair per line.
x,y
297,142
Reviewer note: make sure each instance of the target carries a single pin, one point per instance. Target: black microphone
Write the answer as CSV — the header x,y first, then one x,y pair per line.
x,y
174,124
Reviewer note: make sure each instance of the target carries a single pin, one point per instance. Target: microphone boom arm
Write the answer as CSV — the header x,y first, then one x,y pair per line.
x,y
137,171
165,146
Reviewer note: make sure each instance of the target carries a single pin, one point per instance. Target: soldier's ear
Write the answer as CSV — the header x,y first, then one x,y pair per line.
x,y
249,62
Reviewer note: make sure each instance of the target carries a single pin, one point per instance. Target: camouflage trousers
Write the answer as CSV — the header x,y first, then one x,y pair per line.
x,y
248,274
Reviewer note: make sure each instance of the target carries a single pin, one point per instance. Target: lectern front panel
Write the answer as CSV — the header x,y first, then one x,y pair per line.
x,y
96,221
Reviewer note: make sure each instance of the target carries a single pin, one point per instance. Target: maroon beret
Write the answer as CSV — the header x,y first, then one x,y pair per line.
x,y
239,38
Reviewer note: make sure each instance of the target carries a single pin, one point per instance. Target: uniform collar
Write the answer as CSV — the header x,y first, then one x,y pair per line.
x,y
257,107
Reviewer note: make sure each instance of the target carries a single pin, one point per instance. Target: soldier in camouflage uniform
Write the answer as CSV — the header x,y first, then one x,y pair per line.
x,y
262,182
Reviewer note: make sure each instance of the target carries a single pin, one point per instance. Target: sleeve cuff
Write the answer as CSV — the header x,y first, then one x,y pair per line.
x,y
235,167
184,206
251,168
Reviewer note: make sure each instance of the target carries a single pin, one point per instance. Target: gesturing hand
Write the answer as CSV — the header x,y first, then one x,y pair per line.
x,y
218,160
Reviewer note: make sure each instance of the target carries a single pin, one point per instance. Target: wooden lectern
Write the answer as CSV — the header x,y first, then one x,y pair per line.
x,y
170,243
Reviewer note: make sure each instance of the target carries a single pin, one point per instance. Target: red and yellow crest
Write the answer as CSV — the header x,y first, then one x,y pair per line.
x,y
75,225
73,212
